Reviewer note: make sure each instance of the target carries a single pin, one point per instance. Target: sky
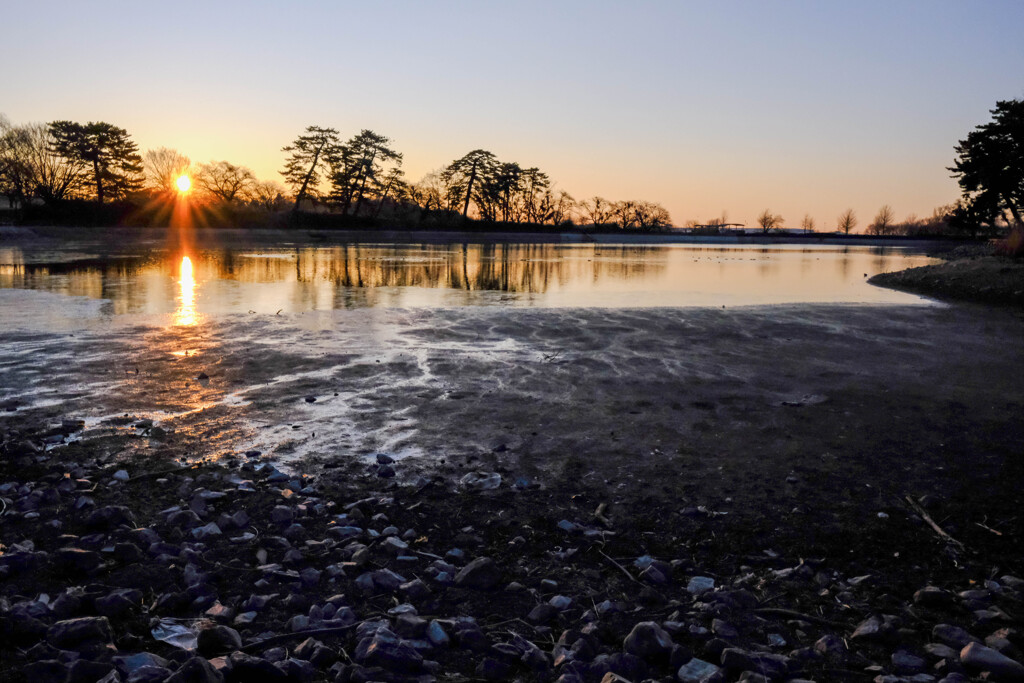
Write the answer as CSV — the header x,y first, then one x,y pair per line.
x,y
704,107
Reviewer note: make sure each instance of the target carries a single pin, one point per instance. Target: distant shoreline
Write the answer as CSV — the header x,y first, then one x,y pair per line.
x,y
28,235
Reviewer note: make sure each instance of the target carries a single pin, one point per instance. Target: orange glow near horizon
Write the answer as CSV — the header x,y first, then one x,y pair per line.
x,y
186,313
183,183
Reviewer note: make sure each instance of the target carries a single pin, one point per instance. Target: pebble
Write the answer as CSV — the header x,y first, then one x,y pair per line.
x,y
697,671
981,658
70,633
481,574
218,640
646,640
951,635
699,585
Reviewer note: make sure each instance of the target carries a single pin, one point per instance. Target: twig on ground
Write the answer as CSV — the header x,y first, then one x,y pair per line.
x,y
621,568
988,528
301,635
793,614
158,473
916,507
599,514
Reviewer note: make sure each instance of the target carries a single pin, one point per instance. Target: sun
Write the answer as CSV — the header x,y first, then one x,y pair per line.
x,y
184,183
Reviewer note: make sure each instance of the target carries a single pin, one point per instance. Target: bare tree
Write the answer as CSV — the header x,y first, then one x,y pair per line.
x,y
267,195
29,167
847,221
884,221
163,167
769,221
597,210
563,208
651,215
807,223
431,193
225,181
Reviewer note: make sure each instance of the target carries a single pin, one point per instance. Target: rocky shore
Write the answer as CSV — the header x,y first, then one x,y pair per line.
x,y
970,273
154,570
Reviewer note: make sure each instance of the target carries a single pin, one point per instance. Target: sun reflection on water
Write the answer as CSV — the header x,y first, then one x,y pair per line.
x,y
186,312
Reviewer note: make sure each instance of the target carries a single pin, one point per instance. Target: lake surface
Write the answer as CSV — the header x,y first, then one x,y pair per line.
x,y
74,286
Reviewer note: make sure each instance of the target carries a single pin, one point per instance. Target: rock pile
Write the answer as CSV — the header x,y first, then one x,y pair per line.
x,y
246,573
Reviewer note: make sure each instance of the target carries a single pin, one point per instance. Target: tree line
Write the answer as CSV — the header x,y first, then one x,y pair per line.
x,y
357,179
361,179
97,161
363,176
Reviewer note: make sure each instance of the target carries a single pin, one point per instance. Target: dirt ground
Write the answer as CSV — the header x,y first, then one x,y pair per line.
x,y
802,423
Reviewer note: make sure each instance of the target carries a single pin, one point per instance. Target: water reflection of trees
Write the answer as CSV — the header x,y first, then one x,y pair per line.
x,y
95,278
532,268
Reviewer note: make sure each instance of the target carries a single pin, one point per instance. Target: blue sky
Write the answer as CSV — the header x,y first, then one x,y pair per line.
x,y
800,107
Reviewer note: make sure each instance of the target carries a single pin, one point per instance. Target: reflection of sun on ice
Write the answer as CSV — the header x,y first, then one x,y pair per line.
x,y
184,184
186,313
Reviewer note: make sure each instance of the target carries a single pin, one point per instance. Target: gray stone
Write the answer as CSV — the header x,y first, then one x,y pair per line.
x,y
977,656
387,580
697,671
930,596
647,640
394,545
942,651
773,667
109,517
870,628
437,635
481,574
196,670
542,614
282,514
77,559
149,674
904,663
560,602
954,636
248,668
118,602
208,531
386,650
66,635
218,640
723,629
612,677
699,585
127,664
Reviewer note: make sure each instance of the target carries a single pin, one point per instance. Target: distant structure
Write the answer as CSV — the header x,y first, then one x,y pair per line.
x,y
720,226
716,229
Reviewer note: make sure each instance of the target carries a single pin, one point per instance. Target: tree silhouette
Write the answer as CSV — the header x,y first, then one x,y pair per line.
x,y
769,221
847,221
109,150
807,223
884,223
358,169
307,152
29,167
990,166
163,167
461,175
225,181
597,210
